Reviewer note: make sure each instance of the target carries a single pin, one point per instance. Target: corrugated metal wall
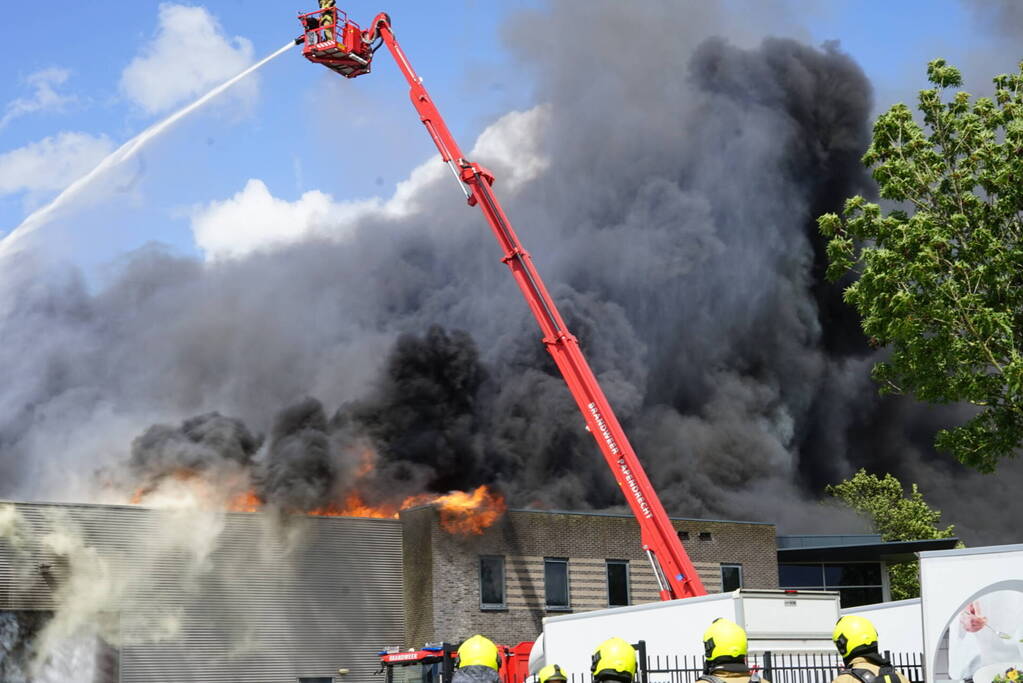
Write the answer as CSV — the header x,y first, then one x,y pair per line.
x,y
269,604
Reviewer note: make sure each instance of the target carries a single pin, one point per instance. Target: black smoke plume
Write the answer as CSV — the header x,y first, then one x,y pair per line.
x,y
674,219
200,442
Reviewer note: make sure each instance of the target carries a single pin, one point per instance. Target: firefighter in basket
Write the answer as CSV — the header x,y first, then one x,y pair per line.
x,y
327,19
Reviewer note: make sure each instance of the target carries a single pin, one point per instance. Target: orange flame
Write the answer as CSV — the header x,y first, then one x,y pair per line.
x,y
182,474
246,501
355,506
461,512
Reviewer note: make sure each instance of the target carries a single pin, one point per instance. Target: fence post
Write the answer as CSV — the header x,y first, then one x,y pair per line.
x,y
768,672
643,664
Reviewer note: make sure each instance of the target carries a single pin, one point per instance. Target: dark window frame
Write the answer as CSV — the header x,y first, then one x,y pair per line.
x,y
486,606
706,536
823,584
628,581
559,561
731,565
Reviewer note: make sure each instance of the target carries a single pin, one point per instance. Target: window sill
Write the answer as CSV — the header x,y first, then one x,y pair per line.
x,y
493,608
548,608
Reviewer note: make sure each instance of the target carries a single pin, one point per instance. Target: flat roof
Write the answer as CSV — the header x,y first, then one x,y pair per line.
x,y
892,551
824,540
146,508
593,513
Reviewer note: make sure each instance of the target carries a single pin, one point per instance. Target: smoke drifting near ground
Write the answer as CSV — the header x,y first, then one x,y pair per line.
x,y
674,220
87,582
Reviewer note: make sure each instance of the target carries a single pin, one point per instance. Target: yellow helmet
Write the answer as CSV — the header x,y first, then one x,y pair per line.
x,y
478,651
724,640
854,635
551,672
614,659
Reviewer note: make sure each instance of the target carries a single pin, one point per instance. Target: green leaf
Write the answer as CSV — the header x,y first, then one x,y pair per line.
x,y
939,278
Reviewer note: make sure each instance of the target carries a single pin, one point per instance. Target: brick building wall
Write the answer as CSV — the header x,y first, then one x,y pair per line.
x,y
442,570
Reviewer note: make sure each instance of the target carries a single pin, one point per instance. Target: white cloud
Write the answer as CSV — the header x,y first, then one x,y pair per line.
x,y
188,55
44,95
51,163
512,146
254,219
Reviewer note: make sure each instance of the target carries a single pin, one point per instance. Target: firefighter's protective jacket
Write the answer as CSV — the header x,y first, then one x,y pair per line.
x,y
854,672
475,674
732,674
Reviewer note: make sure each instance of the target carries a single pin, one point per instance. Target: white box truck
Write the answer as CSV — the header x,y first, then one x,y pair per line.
x,y
775,620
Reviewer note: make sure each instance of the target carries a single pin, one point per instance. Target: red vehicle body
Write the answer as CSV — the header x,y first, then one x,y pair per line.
x,y
348,50
435,663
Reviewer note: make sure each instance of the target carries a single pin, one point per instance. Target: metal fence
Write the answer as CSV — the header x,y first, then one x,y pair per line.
x,y
780,667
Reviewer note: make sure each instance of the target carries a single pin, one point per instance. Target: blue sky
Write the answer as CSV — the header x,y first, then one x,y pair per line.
x,y
302,128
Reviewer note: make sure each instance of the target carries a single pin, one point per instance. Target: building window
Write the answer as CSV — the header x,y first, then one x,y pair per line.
x,y
683,535
731,577
617,583
858,583
706,536
555,583
492,582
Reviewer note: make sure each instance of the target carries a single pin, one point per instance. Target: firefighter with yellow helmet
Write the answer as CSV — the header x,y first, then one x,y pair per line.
x,y
327,18
478,661
614,660
552,673
725,647
856,640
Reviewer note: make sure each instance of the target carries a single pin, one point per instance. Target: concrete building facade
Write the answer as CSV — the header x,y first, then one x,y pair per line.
x,y
180,596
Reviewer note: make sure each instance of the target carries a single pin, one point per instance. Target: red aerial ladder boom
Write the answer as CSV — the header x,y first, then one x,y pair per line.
x,y
339,44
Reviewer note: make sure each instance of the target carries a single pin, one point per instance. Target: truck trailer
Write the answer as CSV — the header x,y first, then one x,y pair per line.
x,y
775,621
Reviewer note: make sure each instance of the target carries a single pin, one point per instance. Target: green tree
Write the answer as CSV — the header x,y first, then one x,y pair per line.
x,y
941,278
896,516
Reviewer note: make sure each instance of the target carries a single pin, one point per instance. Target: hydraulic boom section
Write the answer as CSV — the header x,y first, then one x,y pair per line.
x,y
342,52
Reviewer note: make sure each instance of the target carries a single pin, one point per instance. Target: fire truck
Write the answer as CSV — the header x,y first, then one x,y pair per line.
x,y
435,663
332,39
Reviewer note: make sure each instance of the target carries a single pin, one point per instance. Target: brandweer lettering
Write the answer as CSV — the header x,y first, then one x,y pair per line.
x,y
630,480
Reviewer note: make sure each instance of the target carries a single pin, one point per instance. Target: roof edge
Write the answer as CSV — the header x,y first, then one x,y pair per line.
x,y
146,508
629,515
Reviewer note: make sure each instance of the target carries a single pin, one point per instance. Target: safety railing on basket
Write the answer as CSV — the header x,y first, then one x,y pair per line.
x,y
318,32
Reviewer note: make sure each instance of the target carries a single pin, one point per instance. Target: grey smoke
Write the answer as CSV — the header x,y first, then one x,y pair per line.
x,y
1004,17
675,226
200,442
299,472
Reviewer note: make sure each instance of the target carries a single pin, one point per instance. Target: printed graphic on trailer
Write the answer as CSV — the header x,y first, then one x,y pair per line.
x,y
973,614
